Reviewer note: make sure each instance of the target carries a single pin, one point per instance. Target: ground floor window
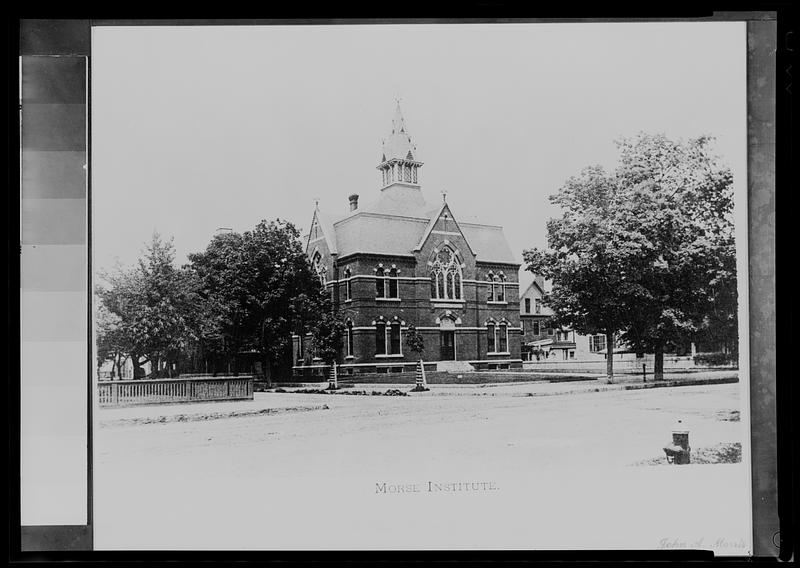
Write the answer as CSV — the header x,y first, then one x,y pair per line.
x,y
597,343
503,337
387,338
349,339
496,338
380,338
394,338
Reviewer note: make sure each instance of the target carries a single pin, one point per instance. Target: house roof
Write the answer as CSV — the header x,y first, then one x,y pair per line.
x,y
397,221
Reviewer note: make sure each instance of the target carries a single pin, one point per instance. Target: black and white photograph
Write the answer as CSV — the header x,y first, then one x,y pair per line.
x,y
402,286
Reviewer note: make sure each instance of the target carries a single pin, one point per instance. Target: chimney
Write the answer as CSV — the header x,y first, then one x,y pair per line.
x,y
353,202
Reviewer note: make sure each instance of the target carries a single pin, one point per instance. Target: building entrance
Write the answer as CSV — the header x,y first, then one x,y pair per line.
x,y
448,345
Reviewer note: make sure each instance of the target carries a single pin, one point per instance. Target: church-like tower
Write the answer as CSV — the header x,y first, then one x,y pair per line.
x,y
399,162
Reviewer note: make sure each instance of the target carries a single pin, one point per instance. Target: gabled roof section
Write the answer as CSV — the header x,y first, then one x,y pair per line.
x,y
434,220
324,226
489,243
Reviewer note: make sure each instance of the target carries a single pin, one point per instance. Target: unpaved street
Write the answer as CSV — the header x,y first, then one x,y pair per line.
x,y
357,441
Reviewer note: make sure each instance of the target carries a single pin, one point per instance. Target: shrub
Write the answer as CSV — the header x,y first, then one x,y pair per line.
x,y
715,359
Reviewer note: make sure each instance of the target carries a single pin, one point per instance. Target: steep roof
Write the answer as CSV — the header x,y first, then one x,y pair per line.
x,y
399,145
399,219
395,223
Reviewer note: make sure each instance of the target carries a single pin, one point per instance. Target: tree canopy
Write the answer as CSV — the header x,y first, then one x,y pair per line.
x,y
238,300
148,310
258,289
646,250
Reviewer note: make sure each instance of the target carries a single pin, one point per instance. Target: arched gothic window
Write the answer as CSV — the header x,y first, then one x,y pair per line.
x,y
380,338
388,337
394,338
349,332
386,283
380,284
497,337
347,289
319,268
392,281
497,287
446,276
502,332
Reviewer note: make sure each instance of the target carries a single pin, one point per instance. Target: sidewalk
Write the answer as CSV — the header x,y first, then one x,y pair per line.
x,y
198,411
542,386
290,401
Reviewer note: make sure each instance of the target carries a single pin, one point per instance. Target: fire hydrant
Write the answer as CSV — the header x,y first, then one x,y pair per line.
x,y
678,451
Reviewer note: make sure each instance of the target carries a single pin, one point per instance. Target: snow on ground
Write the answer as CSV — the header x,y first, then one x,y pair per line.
x,y
561,467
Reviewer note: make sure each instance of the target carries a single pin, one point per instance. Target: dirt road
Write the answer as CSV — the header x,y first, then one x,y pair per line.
x,y
208,470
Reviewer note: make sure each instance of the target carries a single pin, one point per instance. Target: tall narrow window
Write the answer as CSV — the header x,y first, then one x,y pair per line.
x,y
380,283
490,295
319,268
527,305
490,338
392,283
446,276
394,338
347,289
538,306
536,330
503,336
380,338
349,339
500,293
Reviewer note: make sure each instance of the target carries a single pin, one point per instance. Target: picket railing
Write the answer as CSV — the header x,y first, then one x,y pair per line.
x,y
157,391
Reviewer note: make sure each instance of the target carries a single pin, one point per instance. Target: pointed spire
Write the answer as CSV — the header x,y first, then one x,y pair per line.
x,y
398,122
398,145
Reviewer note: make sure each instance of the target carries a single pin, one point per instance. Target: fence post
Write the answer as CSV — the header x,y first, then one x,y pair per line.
x,y
114,394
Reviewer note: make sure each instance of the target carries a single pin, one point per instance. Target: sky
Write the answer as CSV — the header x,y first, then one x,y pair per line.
x,y
196,128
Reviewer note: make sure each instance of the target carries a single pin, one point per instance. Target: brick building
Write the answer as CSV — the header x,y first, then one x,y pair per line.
x,y
399,260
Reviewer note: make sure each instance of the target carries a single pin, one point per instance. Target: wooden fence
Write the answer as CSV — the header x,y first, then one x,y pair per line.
x,y
158,391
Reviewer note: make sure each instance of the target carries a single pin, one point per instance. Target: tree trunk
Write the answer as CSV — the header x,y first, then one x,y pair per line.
x,y
267,371
658,362
610,357
136,366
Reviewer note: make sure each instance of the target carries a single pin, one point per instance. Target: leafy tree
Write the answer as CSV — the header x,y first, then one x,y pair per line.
x,y
223,296
416,345
648,250
415,342
259,289
584,261
327,333
110,339
679,208
154,304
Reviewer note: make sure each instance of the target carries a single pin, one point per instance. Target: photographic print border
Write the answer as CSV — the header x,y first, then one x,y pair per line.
x,y
70,40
